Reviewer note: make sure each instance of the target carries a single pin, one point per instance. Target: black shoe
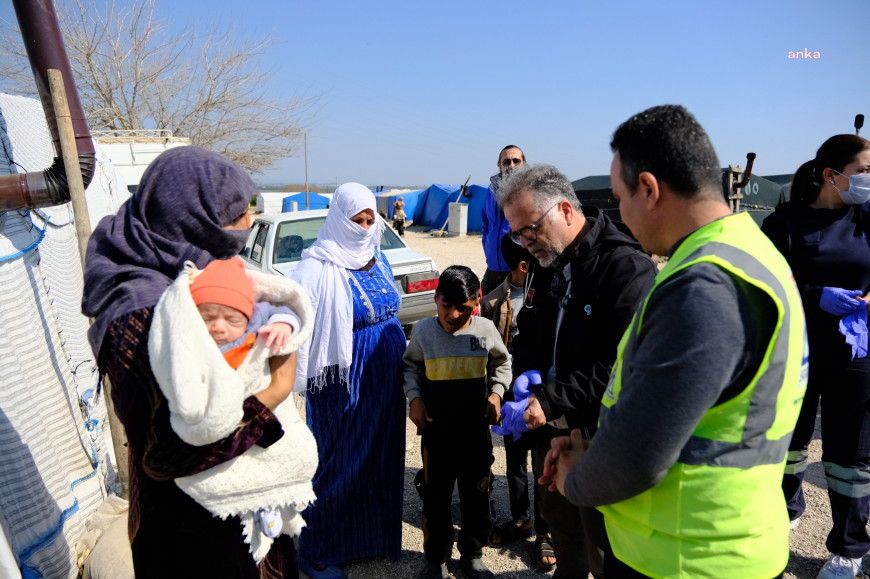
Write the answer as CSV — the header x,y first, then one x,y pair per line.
x,y
475,569
434,571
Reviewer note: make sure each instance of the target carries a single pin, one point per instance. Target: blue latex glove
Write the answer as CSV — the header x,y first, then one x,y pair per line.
x,y
512,421
839,301
854,327
524,383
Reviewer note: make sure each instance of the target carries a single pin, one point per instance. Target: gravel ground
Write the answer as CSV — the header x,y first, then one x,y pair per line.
x,y
516,561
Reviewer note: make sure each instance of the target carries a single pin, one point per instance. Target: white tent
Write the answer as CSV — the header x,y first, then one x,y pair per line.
x,y
55,448
269,202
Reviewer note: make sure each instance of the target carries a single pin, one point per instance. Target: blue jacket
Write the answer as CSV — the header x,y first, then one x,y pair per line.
x,y
494,226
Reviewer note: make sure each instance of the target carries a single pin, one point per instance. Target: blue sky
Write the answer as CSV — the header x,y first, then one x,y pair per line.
x,y
413,93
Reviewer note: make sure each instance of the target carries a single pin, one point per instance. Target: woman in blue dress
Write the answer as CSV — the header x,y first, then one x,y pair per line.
x,y
352,371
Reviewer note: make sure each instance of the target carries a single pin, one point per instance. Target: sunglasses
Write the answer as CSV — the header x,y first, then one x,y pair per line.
x,y
509,162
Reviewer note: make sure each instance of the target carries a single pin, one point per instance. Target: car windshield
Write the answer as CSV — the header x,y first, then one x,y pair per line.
x,y
295,236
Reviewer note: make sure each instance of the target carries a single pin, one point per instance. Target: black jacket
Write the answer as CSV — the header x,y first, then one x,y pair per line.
x,y
610,275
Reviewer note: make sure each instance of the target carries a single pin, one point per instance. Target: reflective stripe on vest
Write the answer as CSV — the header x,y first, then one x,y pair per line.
x,y
719,511
754,448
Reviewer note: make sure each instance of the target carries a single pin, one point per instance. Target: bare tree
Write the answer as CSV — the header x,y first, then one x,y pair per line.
x,y
133,73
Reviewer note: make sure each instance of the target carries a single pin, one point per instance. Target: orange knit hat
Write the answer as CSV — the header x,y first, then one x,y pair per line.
x,y
224,282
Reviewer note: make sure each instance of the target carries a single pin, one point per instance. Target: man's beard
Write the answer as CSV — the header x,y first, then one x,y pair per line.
x,y
551,253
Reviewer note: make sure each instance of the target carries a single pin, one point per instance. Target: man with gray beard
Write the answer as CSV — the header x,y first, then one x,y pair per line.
x,y
577,304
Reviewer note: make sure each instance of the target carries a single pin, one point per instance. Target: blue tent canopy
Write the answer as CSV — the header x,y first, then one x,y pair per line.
x,y
432,206
411,199
315,201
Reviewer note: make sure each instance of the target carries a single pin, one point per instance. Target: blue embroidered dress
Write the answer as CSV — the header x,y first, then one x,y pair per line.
x,y
360,433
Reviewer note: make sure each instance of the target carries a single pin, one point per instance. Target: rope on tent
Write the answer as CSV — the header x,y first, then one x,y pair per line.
x,y
33,245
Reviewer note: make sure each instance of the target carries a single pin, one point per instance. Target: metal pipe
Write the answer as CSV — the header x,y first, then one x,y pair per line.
x,y
304,134
40,32
750,158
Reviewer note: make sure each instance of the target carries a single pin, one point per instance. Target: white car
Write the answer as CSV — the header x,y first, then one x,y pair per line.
x,y
276,243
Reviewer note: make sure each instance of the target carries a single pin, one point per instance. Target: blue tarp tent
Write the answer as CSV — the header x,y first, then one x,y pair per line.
x,y
434,211
411,199
315,201
433,208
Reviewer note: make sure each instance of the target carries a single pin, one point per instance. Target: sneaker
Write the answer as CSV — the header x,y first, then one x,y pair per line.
x,y
837,567
434,571
795,523
475,569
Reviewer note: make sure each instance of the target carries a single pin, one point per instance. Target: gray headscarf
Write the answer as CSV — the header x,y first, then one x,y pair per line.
x,y
186,196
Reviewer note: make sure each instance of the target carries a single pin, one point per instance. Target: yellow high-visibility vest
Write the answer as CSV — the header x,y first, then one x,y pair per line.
x,y
720,511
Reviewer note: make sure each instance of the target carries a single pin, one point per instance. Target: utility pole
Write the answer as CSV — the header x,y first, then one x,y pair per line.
x,y
305,135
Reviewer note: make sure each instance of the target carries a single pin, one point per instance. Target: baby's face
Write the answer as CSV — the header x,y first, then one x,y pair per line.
x,y
225,324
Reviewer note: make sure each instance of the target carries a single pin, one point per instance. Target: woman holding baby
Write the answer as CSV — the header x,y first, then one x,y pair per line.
x,y
191,206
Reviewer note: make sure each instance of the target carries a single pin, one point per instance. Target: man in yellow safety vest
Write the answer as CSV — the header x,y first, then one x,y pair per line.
x,y
708,381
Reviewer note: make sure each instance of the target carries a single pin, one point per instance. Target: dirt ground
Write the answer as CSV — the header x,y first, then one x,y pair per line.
x,y
516,561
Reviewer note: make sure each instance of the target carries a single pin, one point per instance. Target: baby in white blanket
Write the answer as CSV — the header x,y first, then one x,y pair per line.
x,y
265,487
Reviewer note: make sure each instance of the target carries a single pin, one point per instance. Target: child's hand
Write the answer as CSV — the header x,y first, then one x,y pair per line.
x,y
419,415
276,335
493,409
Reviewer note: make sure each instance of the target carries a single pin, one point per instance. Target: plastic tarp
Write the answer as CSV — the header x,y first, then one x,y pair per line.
x,y
595,191
315,201
411,198
760,197
434,212
435,208
56,461
269,202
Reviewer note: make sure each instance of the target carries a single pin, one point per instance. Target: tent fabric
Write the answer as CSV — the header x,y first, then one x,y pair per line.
x,y
785,182
595,191
435,211
411,199
762,193
433,205
760,196
269,202
315,201
55,464
592,183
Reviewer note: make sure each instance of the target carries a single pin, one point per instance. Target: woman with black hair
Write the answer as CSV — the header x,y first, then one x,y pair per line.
x,y
822,232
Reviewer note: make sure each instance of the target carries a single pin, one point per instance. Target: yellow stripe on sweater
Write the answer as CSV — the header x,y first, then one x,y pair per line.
x,y
456,368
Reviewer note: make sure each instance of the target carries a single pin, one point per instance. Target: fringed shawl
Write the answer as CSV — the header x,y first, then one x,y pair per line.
x,y
341,245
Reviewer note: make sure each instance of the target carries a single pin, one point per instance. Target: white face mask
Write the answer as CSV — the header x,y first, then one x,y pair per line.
x,y
858,191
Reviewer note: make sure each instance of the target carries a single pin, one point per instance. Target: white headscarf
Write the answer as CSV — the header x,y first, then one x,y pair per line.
x,y
341,245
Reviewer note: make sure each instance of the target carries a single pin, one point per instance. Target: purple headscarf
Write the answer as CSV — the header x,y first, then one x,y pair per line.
x,y
186,196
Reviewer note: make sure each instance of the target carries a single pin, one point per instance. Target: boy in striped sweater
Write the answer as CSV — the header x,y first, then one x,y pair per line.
x,y
456,371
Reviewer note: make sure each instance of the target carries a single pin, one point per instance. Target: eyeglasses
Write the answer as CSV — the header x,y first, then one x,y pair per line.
x,y
509,162
529,231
